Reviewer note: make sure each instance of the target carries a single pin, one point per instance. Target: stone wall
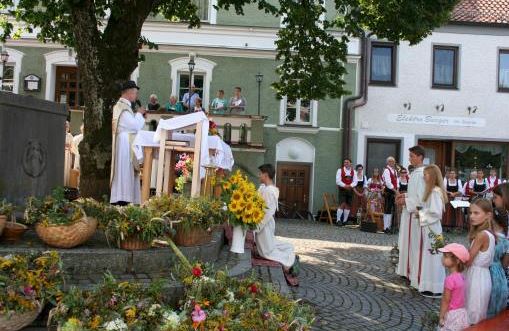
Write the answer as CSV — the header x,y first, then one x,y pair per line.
x,y
32,138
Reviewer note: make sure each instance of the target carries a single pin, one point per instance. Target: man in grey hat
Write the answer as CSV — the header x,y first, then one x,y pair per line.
x,y
125,174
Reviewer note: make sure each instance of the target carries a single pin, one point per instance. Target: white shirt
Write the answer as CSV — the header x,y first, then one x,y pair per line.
x,y
387,178
347,172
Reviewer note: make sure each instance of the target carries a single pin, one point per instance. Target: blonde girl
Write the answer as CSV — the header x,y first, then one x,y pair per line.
x,y
482,250
431,272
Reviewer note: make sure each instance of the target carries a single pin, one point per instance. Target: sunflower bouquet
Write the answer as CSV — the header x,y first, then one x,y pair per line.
x,y
244,204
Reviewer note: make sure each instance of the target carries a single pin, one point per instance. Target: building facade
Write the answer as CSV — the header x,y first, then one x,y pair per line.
x,y
301,137
449,94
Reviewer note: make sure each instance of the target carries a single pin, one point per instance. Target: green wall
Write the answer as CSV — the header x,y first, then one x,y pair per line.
x,y
33,63
252,17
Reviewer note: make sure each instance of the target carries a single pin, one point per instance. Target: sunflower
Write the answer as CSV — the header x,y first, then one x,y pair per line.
x,y
257,215
233,206
236,196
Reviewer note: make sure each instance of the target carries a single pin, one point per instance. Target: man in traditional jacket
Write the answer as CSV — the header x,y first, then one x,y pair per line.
x,y
125,167
409,229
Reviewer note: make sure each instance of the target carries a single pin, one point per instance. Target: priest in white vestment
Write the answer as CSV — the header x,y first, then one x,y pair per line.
x,y
265,236
70,150
409,228
125,174
77,139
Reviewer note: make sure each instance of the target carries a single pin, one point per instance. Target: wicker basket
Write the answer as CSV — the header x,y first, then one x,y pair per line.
x,y
67,236
3,220
192,237
14,231
134,244
18,321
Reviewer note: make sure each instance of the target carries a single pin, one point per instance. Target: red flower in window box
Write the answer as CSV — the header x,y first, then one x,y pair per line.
x,y
197,271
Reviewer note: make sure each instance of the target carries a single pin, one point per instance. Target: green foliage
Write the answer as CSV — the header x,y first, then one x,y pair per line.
x,y
6,208
311,50
54,209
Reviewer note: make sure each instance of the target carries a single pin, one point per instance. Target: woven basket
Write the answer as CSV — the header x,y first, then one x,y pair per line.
x,y
17,321
191,237
3,220
134,244
14,231
67,236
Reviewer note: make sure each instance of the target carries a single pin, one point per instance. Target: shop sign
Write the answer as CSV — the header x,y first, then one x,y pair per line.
x,y
436,120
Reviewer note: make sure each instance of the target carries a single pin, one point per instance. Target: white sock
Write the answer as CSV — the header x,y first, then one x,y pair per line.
x,y
345,217
338,215
387,221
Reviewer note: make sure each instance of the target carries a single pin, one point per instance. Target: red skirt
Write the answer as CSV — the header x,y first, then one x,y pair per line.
x,y
453,217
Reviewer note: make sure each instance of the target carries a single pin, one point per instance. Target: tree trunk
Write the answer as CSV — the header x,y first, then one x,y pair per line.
x,y
104,61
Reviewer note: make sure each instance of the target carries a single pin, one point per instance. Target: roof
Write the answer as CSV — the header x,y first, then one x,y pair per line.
x,y
490,12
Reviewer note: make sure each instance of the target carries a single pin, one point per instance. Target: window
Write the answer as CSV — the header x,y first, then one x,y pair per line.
x,y
183,86
503,71
203,9
377,152
298,112
383,64
67,88
445,67
8,78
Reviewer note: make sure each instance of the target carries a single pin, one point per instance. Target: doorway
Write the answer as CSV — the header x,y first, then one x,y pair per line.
x,y
437,152
377,152
293,181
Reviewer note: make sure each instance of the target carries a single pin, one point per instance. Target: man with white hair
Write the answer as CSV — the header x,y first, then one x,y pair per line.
x,y
390,179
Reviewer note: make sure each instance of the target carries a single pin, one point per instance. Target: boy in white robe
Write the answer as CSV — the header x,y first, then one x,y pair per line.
x,y
265,237
125,175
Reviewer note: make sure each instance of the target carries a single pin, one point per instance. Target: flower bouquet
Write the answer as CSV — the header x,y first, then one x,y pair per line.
x,y
213,131
133,227
437,241
26,283
184,171
59,222
245,207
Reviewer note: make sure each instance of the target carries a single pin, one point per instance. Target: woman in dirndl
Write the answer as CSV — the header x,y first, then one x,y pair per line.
x,y
453,216
359,196
374,192
403,188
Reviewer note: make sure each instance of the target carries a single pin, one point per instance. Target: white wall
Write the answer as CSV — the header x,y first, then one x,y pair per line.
x,y
477,77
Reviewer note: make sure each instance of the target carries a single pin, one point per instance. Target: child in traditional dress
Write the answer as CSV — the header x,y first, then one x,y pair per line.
x,y
482,250
453,315
501,198
499,290
431,273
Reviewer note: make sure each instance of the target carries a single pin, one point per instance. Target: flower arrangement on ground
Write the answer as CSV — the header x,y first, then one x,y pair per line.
x,y
133,222
245,205
26,281
115,305
184,171
54,209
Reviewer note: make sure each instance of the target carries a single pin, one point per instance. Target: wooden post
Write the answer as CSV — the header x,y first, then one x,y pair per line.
x,y
168,155
196,182
160,163
148,157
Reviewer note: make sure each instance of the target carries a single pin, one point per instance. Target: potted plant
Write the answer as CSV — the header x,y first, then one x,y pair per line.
x,y
134,227
27,282
245,207
193,218
6,210
59,222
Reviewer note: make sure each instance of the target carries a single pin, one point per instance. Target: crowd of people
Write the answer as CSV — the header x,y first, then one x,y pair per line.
x,y
476,284
192,102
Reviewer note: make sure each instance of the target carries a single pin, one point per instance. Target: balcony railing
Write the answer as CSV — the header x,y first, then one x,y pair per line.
x,y
253,125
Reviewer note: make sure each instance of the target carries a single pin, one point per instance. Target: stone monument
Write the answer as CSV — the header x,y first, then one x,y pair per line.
x,y
32,139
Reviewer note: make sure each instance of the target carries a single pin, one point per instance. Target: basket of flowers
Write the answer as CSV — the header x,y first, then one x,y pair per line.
x,y
27,282
193,218
59,222
245,207
6,210
134,227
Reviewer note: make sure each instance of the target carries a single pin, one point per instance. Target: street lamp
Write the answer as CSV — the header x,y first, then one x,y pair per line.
x,y
4,57
191,65
259,79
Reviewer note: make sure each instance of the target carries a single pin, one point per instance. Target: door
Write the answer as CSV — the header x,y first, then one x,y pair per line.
x,y
377,152
437,152
67,87
293,184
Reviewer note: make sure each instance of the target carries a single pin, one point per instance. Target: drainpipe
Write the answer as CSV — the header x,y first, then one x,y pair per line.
x,y
359,100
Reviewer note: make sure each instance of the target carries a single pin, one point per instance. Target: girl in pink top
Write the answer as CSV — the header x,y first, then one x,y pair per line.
x,y
453,315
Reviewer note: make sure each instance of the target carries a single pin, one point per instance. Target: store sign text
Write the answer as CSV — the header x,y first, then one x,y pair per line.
x,y
436,120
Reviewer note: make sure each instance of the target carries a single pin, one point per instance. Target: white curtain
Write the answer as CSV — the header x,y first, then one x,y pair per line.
x,y
381,66
444,67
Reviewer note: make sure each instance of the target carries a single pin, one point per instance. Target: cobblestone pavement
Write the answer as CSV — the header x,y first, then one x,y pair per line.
x,y
346,275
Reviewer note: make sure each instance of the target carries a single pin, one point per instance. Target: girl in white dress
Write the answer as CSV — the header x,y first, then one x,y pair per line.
x,y
482,250
431,272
